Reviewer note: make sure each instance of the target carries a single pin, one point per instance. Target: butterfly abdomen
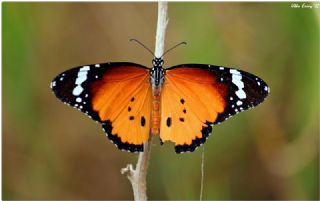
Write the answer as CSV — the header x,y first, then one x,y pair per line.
x,y
155,112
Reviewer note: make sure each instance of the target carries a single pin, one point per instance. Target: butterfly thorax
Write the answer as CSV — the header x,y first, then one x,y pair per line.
x,y
157,72
156,79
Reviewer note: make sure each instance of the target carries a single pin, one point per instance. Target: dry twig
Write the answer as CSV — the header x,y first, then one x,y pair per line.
x,y
137,177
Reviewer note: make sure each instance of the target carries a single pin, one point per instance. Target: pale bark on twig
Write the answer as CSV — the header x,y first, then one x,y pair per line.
x,y
137,177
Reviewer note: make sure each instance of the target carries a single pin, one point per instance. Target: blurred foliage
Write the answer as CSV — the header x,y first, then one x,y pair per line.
x,y
51,151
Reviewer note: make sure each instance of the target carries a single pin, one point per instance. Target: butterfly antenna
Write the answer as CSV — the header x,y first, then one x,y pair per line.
x,y
182,43
135,40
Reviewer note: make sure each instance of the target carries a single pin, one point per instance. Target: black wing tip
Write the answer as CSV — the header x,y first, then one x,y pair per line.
x,y
123,146
83,106
196,143
62,85
262,90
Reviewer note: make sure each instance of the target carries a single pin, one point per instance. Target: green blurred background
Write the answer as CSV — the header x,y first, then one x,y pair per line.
x,y
51,151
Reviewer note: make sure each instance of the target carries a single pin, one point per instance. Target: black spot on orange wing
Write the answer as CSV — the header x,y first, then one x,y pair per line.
x,y
143,121
182,101
131,118
184,111
169,121
129,109
181,119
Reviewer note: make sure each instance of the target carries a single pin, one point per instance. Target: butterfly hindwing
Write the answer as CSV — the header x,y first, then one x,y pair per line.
x,y
117,95
195,97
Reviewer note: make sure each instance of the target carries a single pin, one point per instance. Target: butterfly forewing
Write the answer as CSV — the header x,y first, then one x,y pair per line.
x,y
196,96
117,95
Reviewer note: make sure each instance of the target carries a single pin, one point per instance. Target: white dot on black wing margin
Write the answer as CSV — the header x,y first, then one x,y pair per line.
x,y
78,99
52,84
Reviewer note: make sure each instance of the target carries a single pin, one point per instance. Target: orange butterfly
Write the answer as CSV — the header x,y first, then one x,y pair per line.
x,y
180,103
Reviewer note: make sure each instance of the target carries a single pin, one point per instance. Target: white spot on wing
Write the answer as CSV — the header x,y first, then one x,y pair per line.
x,y
235,72
82,73
81,77
78,100
77,90
241,94
239,102
97,65
237,80
53,84
85,68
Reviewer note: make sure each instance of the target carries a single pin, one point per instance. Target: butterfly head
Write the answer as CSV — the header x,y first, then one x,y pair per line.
x,y
157,62
157,72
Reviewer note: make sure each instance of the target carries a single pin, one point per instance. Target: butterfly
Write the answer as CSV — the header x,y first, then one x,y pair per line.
x,y
180,104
